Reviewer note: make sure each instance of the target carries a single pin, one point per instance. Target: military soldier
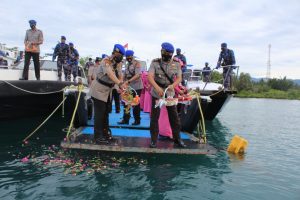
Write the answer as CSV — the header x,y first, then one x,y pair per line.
x,y
101,92
226,58
206,73
73,62
132,77
3,62
161,75
62,52
89,64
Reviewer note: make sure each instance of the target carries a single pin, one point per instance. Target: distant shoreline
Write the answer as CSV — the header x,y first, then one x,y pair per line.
x,y
272,94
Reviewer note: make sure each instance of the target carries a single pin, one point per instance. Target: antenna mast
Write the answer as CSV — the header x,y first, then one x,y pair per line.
x,y
269,63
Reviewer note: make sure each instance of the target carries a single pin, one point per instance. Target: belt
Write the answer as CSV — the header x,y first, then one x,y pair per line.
x,y
110,85
162,85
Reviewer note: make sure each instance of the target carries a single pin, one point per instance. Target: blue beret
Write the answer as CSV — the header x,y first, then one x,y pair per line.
x,y
63,37
129,53
224,45
168,47
103,56
71,44
119,48
32,22
178,49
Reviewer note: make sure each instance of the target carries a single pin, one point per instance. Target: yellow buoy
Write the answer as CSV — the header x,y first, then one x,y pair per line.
x,y
237,145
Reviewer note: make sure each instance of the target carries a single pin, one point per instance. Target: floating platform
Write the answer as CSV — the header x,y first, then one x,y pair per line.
x,y
134,139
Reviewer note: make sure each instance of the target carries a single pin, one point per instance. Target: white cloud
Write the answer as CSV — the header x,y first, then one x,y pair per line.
x,y
197,27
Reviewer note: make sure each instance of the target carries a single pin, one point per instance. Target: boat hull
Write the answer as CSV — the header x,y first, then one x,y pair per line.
x,y
16,101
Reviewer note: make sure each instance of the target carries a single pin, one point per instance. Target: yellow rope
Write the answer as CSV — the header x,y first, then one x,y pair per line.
x,y
44,120
202,122
80,88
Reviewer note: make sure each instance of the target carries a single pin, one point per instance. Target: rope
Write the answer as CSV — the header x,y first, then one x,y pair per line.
x,y
80,88
31,91
202,123
44,120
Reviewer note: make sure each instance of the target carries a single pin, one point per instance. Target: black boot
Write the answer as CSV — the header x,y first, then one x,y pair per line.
x,y
124,122
101,141
179,143
152,144
136,122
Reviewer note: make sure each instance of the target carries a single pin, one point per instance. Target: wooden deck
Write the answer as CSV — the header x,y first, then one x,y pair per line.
x,y
134,139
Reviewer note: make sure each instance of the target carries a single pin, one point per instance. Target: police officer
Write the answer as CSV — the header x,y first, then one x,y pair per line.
x,y
101,91
33,39
73,62
161,74
226,58
206,73
61,51
132,77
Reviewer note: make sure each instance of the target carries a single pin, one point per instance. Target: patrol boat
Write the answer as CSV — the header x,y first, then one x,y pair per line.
x,y
214,98
21,98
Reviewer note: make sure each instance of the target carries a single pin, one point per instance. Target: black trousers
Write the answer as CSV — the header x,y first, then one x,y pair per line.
x,y
173,118
116,97
227,78
36,61
136,109
101,118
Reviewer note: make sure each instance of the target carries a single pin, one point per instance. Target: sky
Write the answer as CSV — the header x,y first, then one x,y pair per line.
x,y
198,27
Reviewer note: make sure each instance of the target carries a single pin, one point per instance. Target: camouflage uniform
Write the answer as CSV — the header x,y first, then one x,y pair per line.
x,y
72,64
172,69
226,58
62,52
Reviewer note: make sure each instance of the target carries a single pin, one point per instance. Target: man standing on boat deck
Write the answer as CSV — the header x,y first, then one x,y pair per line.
x,y
101,92
161,75
88,64
206,73
132,77
73,62
33,40
92,71
62,52
183,59
3,62
226,58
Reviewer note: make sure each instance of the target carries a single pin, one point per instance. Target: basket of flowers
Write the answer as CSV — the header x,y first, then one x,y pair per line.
x,y
127,97
167,101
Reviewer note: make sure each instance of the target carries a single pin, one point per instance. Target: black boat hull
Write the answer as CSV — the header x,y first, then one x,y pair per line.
x,y
15,102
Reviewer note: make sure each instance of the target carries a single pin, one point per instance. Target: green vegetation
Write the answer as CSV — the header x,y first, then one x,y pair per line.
x,y
271,88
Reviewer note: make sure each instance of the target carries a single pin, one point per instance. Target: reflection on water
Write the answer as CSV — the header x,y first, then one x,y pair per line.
x,y
268,170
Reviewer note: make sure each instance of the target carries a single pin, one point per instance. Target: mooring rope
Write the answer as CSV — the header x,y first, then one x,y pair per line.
x,y
202,121
40,93
80,88
45,120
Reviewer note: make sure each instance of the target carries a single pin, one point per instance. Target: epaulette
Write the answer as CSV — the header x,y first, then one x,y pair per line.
x,y
107,61
156,60
137,63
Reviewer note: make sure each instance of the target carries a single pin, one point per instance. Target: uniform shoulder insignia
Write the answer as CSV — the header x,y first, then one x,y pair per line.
x,y
107,61
137,64
156,60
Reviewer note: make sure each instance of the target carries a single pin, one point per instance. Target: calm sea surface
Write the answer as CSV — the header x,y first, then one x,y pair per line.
x,y
270,169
